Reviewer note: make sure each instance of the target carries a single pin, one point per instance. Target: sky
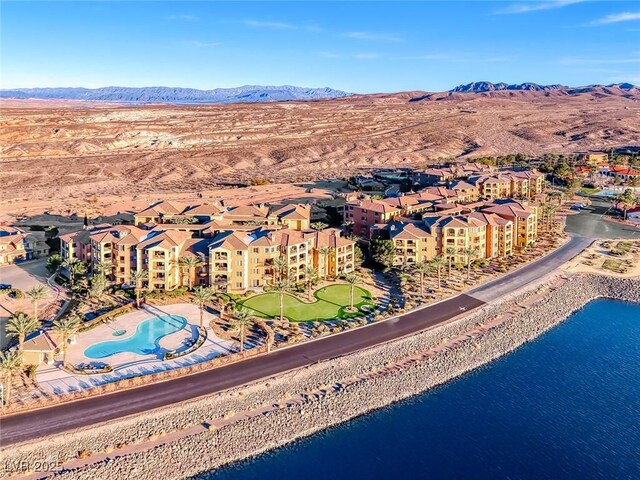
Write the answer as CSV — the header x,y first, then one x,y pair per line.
x,y
356,46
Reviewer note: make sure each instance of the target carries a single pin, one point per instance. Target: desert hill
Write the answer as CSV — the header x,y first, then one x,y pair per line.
x,y
51,148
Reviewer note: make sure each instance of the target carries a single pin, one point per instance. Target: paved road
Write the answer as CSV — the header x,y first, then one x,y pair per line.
x,y
68,416
589,222
57,419
533,271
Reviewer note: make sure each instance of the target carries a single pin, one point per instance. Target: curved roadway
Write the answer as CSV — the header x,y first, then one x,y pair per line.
x,y
67,416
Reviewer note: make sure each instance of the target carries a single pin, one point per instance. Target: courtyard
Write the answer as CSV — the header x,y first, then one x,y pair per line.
x,y
330,303
134,344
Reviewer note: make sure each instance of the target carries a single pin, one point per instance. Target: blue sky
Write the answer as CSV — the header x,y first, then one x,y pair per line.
x,y
353,46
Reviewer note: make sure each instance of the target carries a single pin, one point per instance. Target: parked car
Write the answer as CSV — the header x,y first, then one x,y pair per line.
x,y
5,286
578,206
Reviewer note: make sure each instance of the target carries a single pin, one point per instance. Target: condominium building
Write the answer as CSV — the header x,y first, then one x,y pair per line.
x,y
365,213
243,260
246,247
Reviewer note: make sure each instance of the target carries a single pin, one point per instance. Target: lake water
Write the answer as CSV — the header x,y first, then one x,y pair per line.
x,y
566,406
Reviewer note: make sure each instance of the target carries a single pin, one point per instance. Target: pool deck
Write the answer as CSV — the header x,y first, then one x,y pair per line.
x,y
128,364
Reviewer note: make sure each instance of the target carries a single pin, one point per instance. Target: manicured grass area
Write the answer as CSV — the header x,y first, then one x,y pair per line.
x,y
330,303
589,190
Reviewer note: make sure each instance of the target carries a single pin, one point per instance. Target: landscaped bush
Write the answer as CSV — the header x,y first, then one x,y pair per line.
x,y
31,371
202,336
16,293
89,369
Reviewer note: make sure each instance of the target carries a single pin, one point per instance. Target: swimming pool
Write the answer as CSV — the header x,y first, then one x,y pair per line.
x,y
144,342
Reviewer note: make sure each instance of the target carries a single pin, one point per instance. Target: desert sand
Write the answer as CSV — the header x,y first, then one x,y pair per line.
x,y
63,154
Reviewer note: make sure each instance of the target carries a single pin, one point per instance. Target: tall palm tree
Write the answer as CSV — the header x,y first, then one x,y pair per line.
x,y
241,320
281,288
10,362
20,325
311,274
202,295
67,327
450,252
352,279
324,252
438,262
35,295
422,269
137,278
74,267
190,263
280,265
470,254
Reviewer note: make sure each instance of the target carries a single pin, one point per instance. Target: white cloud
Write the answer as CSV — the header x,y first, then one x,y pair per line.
x,y
198,44
274,25
376,37
617,18
536,7
456,58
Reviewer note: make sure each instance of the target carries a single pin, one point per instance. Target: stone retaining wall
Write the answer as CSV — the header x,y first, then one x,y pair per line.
x,y
211,449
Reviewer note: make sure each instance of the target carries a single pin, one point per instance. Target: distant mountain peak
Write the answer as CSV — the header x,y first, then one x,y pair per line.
x,y
480,87
484,87
244,94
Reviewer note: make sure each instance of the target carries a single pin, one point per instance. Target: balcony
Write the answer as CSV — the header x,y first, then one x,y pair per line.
x,y
220,266
220,256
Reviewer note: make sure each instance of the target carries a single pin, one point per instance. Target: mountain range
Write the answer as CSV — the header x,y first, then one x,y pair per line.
x,y
259,94
244,94
481,87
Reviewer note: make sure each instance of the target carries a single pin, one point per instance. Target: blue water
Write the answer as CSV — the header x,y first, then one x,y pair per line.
x,y
144,342
566,406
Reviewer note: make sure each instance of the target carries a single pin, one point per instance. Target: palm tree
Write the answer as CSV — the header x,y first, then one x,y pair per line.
x,y
281,288
352,279
137,278
10,362
67,327
627,200
101,268
36,294
202,295
190,263
74,267
311,274
280,265
422,269
450,252
241,320
324,251
470,254
438,262
20,325
319,226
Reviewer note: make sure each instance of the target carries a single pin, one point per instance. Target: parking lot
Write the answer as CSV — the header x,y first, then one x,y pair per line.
x,y
590,222
24,277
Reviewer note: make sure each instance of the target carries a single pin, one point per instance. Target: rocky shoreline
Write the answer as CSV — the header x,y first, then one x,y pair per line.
x,y
317,397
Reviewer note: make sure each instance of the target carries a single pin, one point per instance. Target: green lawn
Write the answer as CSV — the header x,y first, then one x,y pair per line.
x,y
589,190
330,303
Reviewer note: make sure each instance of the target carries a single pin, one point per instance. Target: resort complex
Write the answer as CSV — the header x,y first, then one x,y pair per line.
x,y
232,250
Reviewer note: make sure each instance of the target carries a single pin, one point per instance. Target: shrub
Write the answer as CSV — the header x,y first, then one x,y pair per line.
x,y
84,453
31,371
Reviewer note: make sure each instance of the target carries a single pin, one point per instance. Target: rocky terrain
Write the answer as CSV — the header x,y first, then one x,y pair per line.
x,y
52,149
344,388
